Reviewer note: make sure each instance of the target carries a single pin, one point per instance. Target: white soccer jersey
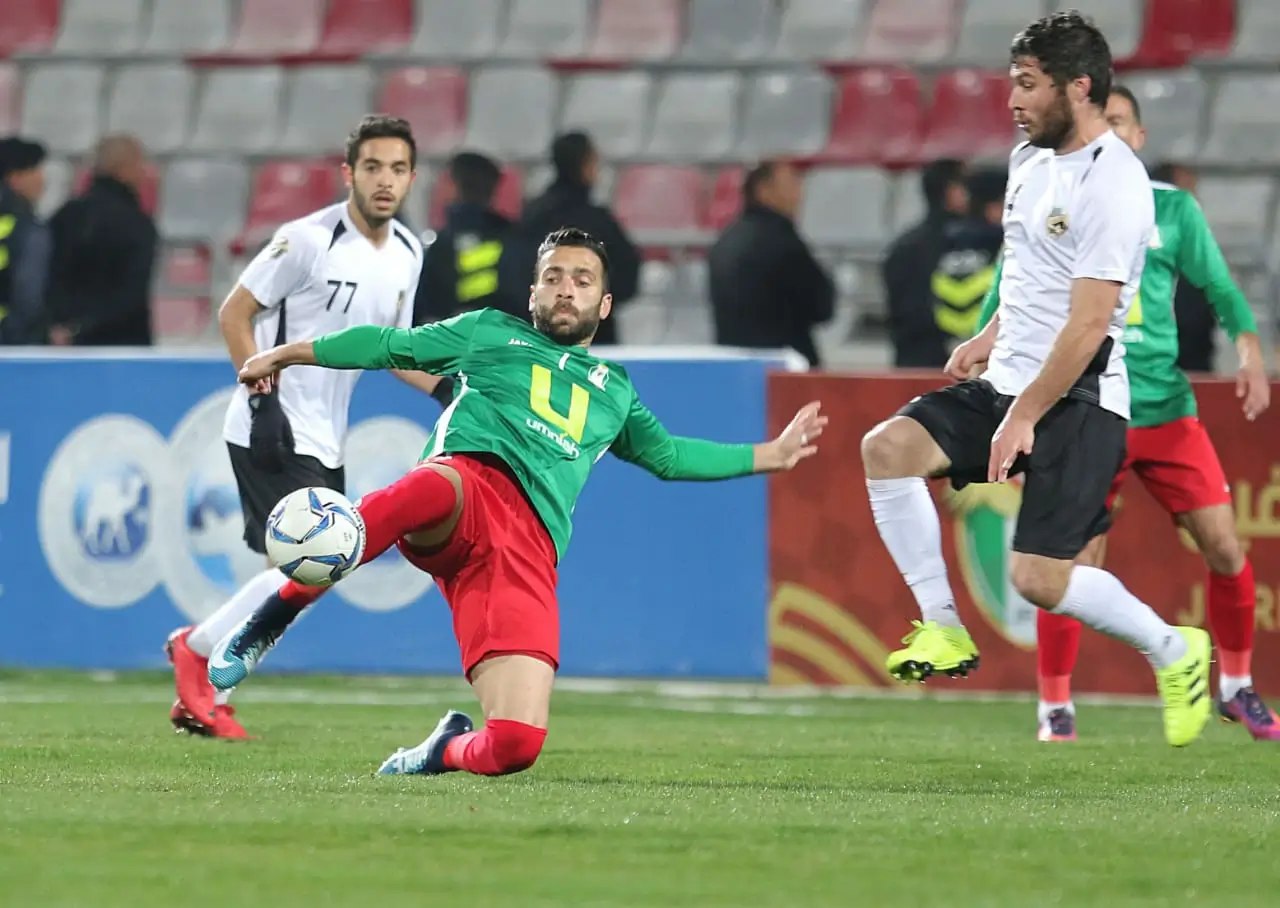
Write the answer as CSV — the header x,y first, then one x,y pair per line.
x,y
325,275
1087,214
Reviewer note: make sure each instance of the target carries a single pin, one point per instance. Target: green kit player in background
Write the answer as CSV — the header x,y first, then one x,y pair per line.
x,y
1170,451
489,510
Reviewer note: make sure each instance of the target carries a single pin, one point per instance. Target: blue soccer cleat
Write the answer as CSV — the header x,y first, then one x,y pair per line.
x,y
427,759
236,655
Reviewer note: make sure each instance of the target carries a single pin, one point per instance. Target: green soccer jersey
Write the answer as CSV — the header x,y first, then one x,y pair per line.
x,y
550,412
1181,244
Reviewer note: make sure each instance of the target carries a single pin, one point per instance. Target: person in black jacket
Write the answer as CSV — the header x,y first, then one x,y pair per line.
x,y
104,252
567,203
767,289
909,266
460,270
24,243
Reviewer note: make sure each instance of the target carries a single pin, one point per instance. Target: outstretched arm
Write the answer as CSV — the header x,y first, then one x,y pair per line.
x,y
647,444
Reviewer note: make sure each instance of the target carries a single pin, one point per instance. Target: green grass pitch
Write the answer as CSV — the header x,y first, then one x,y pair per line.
x,y
648,795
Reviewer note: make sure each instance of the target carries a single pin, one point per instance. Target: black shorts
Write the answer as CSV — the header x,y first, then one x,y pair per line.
x,y
1079,448
261,491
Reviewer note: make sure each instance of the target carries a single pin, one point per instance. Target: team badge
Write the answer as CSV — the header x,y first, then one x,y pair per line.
x,y
599,376
1057,223
279,247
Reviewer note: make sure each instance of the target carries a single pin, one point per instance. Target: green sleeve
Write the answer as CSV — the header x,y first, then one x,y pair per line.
x,y
992,301
644,442
1201,261
437,347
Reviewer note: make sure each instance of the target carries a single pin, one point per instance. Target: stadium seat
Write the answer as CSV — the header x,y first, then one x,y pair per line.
x,y
724,203
508,198
545,29
277,27
99,27
203,200
1245,121
820,29
449,30
322,104
730,29
238,110
512,111
785,113
1258,35
184,270
286,190
1238,208
10,98
908,207
176,320
28,26
626,30
987,29
611,107
695,116
660,204
433,100
366,26
59,175
181,27
691,320
845,207
62,105
969,117
1121,21
1173,104
153,102
910,31
877,117
1175,31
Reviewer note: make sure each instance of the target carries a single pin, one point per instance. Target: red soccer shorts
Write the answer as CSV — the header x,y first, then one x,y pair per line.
x,y
1178,465
498,571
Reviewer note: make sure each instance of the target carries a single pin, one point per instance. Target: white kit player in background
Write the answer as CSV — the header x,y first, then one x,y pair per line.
x,y
1053,402
348,264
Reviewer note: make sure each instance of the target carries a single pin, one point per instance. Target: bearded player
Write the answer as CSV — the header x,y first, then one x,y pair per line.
x,y
1170,451
488,512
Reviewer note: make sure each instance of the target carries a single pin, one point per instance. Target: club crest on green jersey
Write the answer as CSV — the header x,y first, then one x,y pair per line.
x,y
599,376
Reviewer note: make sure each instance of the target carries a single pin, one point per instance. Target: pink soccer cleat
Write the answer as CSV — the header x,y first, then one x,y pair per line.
x,y
1248,708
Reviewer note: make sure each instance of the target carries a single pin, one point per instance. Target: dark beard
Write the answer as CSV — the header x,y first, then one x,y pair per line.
x,y
362,205
566,337
1059,126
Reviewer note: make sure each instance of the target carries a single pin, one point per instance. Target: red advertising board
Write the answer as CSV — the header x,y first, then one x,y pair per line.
x,y
838,604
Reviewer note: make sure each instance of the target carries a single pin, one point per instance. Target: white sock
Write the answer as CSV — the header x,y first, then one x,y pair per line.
x,y
908,524
239,607
1043,710
1099,600
1230,685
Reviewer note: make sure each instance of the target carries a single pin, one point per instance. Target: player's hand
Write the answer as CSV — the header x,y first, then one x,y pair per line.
x,y
259,371
970,355
1252,385
795,443
1016,435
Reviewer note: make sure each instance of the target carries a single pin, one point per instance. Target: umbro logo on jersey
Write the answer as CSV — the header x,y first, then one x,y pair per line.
x,y
516,342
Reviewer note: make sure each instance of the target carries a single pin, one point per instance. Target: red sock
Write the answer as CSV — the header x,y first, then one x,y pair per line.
x,y
501,747
1231,616
1057,645
420,498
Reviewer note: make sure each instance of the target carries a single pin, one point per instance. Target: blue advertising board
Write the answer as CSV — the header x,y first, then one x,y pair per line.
x,y
119,521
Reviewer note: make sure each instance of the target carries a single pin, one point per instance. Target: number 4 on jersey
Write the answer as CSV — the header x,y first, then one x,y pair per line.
x,y
574,423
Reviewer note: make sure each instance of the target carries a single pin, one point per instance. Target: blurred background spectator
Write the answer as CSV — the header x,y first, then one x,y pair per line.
x,y
24,243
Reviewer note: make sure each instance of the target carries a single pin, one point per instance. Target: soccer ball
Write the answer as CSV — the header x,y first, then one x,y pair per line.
x,y
316,536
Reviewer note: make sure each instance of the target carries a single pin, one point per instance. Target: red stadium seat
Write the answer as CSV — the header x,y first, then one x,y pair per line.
x,y
285,190
877,118
433,100
1175,31
278,27
10,98
969,117
725,202
28,25
507,200
186,270
148,192
362,26
179,318
660,203
627,30
911,31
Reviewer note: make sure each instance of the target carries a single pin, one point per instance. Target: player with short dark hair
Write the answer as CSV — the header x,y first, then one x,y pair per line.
x,y
488,512
1053,402
1170,451
347,264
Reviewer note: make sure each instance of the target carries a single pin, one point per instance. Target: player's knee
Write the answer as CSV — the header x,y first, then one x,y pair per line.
x,y
1040,581
1224,555
882,450
516,746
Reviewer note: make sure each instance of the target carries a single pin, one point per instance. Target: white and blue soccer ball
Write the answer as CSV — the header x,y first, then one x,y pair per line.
x,y
315,536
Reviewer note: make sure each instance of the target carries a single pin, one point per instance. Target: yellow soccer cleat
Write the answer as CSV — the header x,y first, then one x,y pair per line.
x,y
1184,688
932,649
